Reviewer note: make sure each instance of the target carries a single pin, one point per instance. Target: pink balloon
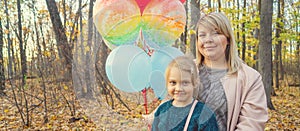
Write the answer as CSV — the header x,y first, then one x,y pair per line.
x,y
182,1
142,4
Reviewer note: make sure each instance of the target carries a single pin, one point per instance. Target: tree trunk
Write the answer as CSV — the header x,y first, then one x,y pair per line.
x,y
195,13
63,47
9,43
238,26
21,47
92,53
278,45
39,48
219,5
44,62
265,48
10,65
64,12
282,72
23,62
244,33
2,75
183,37
298,48
41,68
79,59
90,57
257,30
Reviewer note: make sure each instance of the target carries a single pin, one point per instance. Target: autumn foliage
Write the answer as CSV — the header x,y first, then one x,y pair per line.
x,y
285,117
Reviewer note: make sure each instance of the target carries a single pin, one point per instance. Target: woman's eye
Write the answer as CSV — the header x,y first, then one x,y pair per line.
x,y
201,35
215,33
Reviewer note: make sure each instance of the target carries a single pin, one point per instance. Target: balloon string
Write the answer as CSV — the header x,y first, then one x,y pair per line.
x,y
146,48
144,92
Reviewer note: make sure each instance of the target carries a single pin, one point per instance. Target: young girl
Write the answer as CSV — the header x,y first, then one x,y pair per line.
x,y
182,83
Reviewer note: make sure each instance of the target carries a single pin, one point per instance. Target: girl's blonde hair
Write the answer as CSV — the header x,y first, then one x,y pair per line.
x,y
186,64
220,23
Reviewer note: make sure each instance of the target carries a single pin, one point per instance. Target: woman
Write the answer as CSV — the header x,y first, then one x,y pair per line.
x,y
233,90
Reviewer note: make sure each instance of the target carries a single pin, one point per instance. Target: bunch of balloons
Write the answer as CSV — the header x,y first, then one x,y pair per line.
x,y
122,23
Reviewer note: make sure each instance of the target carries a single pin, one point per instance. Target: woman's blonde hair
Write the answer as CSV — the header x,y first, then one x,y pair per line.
x,y
186,64
220,23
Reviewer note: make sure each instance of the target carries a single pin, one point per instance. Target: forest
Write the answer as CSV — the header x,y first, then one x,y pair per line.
x,y
53,72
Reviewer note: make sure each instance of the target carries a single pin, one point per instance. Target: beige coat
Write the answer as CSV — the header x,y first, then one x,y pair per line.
x,y
246,100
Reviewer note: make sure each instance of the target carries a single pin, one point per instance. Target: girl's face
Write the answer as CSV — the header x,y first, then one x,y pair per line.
x,y
211,44
180,87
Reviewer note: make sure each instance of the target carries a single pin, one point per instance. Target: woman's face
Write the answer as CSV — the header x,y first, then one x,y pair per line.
x,y
211,44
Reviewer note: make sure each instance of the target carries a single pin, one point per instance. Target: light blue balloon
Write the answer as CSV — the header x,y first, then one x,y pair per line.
x,y
127,68
139,71
161,58
158,84
108,65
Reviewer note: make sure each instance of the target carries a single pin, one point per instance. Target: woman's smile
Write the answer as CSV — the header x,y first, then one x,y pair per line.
x,y
209,48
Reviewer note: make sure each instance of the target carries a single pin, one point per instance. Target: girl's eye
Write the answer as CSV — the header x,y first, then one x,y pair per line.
x,y
172,83
185,83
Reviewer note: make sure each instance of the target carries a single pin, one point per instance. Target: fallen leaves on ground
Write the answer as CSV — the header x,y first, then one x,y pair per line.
x,y
286,115
94,115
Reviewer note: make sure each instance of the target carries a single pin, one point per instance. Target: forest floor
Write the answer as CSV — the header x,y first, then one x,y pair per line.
x,y
286,115
65,113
